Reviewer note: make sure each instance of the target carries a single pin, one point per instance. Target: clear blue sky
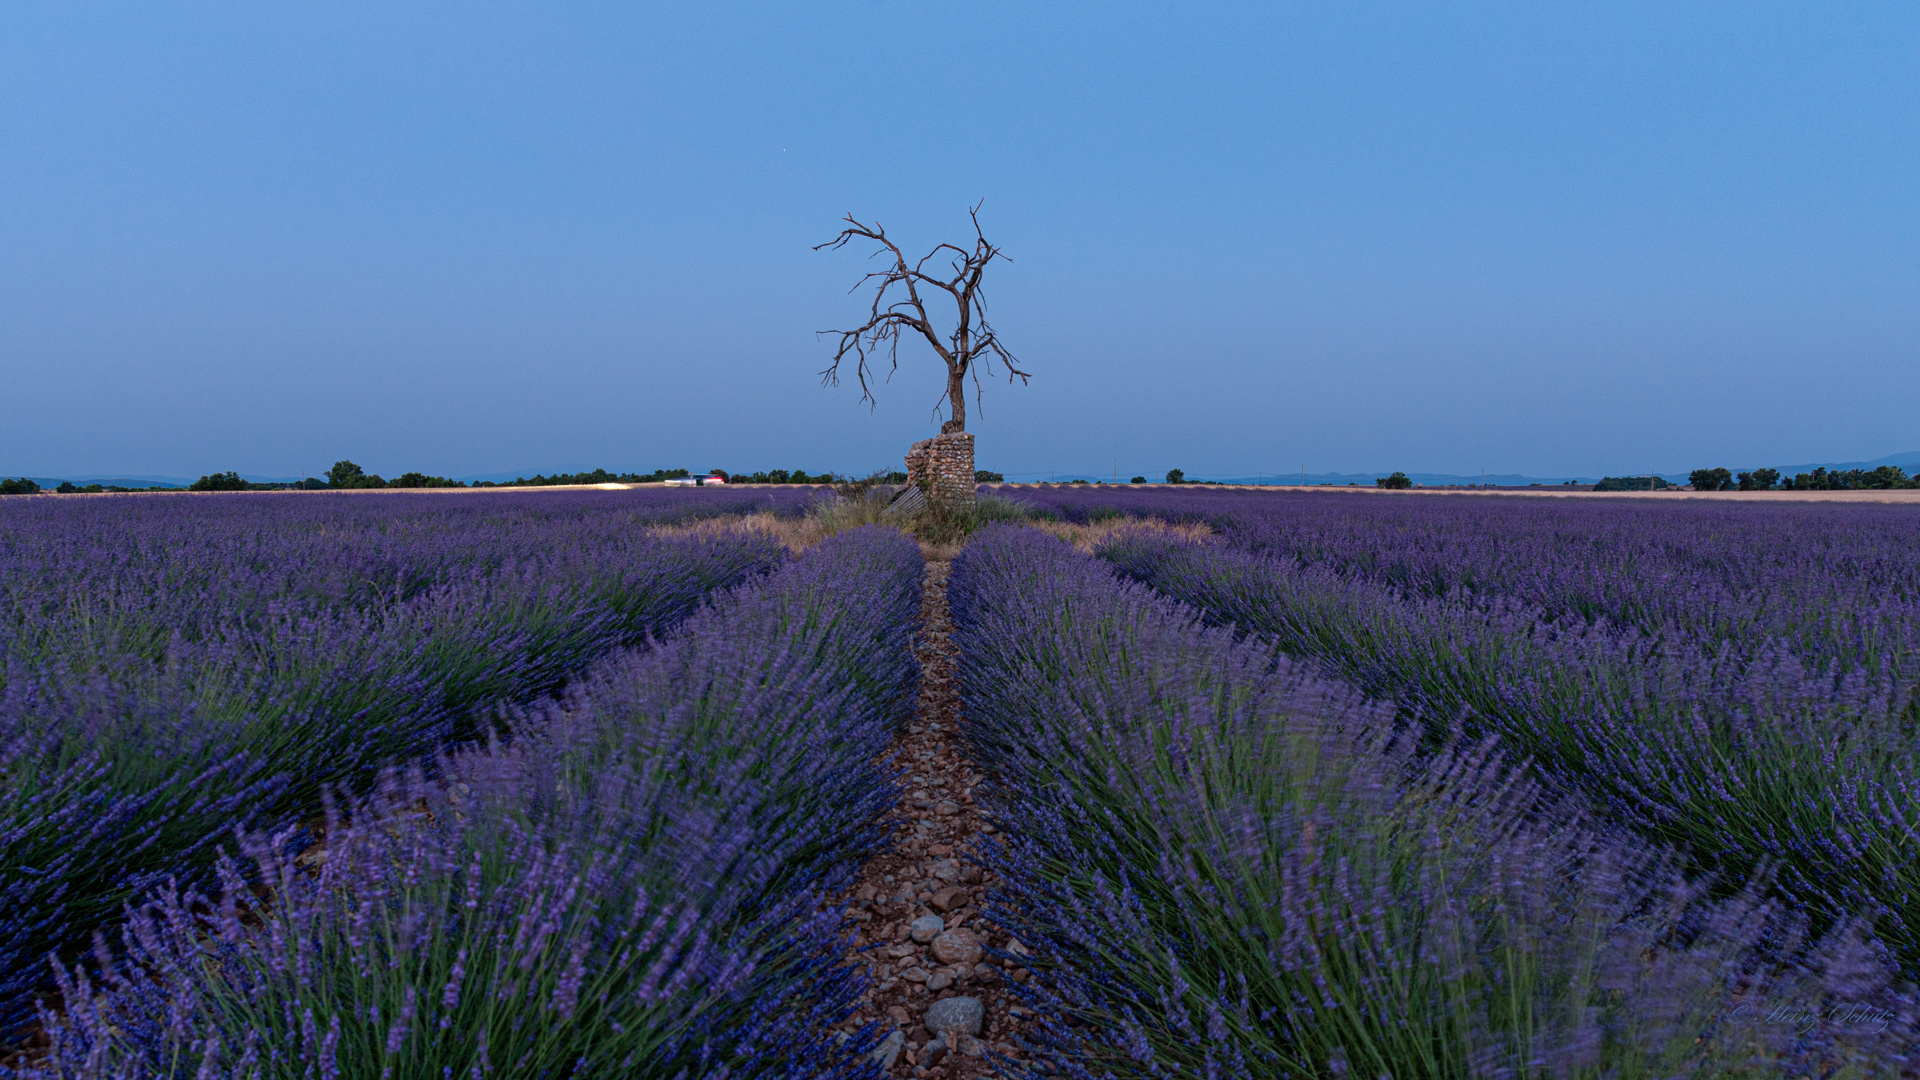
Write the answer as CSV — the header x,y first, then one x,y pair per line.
x,y
465,238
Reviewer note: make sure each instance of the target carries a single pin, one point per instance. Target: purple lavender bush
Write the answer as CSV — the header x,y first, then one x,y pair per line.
x,y
1743,760
175,668
1840,583
1225,865
632,885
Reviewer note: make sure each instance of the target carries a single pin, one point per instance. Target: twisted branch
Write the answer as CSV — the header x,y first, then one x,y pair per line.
x,y
898,310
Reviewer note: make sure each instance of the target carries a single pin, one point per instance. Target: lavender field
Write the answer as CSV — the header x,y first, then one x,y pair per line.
x,y
519,786
177,669
1735,680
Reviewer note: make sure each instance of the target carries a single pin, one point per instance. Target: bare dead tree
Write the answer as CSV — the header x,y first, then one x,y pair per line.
x,y
899,310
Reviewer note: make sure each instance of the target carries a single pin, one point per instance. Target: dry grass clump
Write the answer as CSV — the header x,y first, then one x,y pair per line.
x,y
1094,533
823,518
942,533
796,533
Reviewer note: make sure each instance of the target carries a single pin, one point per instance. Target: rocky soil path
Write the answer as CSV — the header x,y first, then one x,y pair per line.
x,y
918,905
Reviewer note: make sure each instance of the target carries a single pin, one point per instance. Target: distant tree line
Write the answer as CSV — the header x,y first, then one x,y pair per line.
x,y
1886,476
20,485
347,476
1632,483
783,476
802,476
1821,479
1175,476
597,476
344,475
226,481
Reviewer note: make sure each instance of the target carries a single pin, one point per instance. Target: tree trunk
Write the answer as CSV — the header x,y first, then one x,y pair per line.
x,y
956,397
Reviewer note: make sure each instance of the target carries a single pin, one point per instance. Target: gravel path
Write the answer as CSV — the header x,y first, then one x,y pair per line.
x,y
918,905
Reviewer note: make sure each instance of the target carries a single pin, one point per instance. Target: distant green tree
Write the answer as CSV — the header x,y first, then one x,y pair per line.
x,y
1176,476
982,476
225,481
311,483
1138,480
422,480
1711,480
1824,479
18,486
347,475
1632,483
66,487
1758,479
1399,481
1886,476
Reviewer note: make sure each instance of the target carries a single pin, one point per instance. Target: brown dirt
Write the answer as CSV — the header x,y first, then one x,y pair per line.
x,y
930,870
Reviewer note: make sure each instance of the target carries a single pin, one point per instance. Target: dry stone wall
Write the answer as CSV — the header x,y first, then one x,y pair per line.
x,y
945,464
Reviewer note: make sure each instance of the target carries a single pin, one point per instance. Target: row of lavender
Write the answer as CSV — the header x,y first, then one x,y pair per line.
x,y
631,885
1227,866
1837,585
1736,680
177,667
1753,759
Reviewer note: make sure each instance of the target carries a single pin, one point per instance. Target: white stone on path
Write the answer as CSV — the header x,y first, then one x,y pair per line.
x,y
961,1014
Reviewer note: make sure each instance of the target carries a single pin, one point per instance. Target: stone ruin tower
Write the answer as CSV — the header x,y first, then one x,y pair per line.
x,y
945,464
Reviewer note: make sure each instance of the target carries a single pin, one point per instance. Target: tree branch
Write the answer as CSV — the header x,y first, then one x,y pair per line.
x,y
890,315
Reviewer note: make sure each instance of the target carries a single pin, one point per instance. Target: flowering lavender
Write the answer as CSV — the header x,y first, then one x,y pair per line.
x,y
1840,583
1743,757
1228,866
175,668
630,885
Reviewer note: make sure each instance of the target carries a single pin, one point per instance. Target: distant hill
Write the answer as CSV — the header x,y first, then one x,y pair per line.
x,y
1908,460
